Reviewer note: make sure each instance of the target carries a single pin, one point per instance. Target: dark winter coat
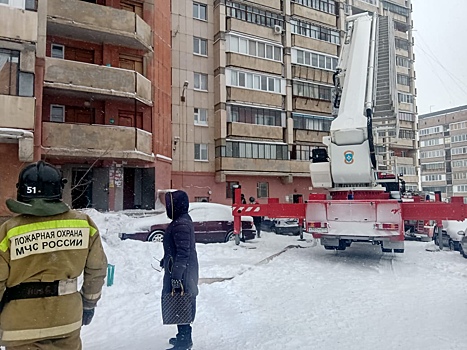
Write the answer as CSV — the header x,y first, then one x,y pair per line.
x,y
180,259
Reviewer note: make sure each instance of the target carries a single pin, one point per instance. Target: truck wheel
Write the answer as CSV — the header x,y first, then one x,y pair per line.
x,y
342,244
451,245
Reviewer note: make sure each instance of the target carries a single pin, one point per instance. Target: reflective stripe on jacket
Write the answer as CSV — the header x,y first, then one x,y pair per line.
x,y
46,249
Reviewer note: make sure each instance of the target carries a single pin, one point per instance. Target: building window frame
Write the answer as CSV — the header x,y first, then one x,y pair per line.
x,y
315,31
201,152
200,81
200,46
229,188
255,81
253,15
200,11
327,6
314,59
255,115
244,45
200,116
57,113
262,189
57,51
311,90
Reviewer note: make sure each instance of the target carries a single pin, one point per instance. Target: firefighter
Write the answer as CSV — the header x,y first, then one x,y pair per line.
x,y
43,250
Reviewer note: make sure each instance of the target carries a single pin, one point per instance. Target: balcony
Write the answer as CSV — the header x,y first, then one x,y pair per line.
x,y
96,141
101,80
269,167
313,14
99,24
18,24
17,112
254,131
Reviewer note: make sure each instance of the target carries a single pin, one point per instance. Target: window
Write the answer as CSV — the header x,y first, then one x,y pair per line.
x,y
309,90
314,59
229,188
406,170
433,166
262,190
402,44
459,150
57,113
403,79
4,2
200,46
328,6
459,138
400,10
253,115
200,11
431,142
432,130
459,188
405,98
201,151
200,116
201,81
311,122
253,150
405,116
459,176
12,80
255,81
57,51
301,152
458,126
402,61
407,134
315,31
253,15
459,163
255,48
432,154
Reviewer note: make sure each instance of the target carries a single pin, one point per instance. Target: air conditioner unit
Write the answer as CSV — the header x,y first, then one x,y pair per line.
x,y
277,29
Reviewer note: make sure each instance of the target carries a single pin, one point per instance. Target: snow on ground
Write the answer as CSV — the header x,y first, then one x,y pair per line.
x,y
303,298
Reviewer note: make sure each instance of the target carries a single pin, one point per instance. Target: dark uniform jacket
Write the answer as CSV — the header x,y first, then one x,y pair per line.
x,y
46,249
180,258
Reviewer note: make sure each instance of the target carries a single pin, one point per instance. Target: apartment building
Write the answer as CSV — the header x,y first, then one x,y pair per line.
x,y
93,91
443,151
252,90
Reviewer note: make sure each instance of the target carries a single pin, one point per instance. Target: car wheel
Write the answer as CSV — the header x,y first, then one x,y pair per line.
x,y
436,239
461,249
230,236
156,236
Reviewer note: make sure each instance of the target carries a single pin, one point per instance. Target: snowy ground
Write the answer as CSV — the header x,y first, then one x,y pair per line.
x,y
303,298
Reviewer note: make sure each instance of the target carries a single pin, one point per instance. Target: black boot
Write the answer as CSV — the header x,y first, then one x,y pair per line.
x,y
183,340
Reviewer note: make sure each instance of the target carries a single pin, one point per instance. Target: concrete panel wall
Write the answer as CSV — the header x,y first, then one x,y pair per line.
x,y
254,63
314,44
310,105
313,15
234,24
310,136
258,97
17,112
18,24
253,131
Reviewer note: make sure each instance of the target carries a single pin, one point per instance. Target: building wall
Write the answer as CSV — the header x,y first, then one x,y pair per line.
x,y
443,151
221,59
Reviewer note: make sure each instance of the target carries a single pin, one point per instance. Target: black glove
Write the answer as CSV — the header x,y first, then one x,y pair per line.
x,y
88,314
176,284
161,263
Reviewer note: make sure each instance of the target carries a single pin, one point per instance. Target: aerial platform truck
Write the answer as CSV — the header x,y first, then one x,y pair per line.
x,y
364,197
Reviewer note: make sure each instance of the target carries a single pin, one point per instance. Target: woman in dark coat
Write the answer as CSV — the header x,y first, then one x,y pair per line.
x,y
180,260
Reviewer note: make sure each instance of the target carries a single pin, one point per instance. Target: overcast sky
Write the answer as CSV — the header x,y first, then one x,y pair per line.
x,y
440,30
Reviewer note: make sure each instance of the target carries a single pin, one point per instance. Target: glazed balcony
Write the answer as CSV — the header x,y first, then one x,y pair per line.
x,y
99,24
90,78
96,141
18,24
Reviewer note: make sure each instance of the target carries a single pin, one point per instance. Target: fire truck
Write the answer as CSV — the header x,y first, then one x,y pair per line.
x,y
361,198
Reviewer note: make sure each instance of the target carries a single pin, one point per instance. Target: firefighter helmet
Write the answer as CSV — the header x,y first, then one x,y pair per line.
x,y
40,180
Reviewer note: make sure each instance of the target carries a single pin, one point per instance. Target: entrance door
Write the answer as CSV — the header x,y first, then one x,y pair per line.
x,y
81,188
128,188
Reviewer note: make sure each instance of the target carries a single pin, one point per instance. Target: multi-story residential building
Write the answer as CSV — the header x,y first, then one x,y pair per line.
x,y
252,89
18,44
101,83
443,151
